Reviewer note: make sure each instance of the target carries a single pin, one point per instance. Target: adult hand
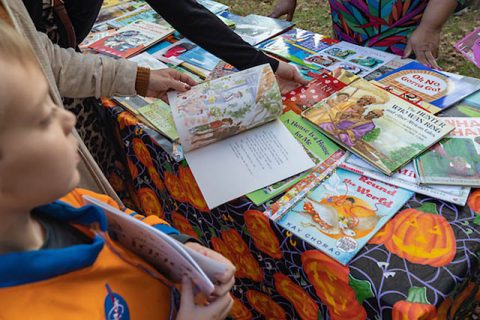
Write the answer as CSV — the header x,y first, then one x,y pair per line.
x,y
284,7
288,77
424,42
164,80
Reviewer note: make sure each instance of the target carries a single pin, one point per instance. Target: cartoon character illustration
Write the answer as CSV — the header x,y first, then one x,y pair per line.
x,y
127,40
178,49
322,60
368,62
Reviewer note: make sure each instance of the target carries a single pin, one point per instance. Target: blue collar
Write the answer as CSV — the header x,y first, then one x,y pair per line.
x,y
32,266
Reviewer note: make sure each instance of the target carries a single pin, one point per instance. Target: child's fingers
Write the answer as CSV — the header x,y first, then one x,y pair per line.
x,y
224,288
217,308
227,309
187,298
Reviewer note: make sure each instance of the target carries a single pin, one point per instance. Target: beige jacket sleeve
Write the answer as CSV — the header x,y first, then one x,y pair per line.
x,y
85,75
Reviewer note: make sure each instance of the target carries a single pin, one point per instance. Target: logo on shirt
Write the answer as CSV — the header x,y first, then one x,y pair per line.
x,y
115,306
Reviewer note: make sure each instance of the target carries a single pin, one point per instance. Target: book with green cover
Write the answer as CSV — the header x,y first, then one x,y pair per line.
x,y
159,115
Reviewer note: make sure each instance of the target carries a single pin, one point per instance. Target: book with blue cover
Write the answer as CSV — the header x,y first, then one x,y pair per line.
x,y
343,212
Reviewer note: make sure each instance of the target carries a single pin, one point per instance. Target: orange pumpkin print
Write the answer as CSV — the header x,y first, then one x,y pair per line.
x,y
157,181
235,241
174,186
330,280
126,119
250,267
383,234
192,191
423,238
141,152
265,305
305,306
415,307
108,103
117,183
220,247
262,234
239,311
149,202
474,201
181,224
132,168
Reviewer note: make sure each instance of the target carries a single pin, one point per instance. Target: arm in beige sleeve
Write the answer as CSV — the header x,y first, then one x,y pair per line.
x,y
84,75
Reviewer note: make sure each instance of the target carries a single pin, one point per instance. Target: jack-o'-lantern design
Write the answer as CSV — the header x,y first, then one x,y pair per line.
x,y
262,234
141,152
415,307
265,305
132,168
181,224
174,186
422,237
219,246
305,306
331,282
126,119
239,311
157,181
191,189
383,234
149,202
474,201
235,241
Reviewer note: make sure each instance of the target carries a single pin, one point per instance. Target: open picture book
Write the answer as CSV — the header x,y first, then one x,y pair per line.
x,y
231,137
169,256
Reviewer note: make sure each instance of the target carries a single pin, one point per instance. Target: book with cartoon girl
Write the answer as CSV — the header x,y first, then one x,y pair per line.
x,y
377,126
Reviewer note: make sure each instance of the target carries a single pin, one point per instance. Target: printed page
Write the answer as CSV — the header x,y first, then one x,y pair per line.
x,y
246,162
221,108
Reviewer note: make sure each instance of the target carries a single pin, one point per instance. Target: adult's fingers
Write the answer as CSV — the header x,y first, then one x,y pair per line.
x,y
178,85
422,58
187,298
297,77
219,307
184,78
431,60
225,312
408,50
223,288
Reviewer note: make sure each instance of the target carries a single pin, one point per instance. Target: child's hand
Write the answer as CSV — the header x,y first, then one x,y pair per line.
x,y
216,310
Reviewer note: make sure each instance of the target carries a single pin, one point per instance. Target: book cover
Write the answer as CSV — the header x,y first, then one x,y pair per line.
x,y
341,214
406,178
468,107
355,59
388,67
221,69
159,115
131,39
146,60
438,88
304,97
214,6
377,126
306,72
145,13
470,47
455,160
117,10
319,147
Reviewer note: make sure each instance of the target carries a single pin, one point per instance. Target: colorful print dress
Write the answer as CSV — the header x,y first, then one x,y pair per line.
x,y
381,24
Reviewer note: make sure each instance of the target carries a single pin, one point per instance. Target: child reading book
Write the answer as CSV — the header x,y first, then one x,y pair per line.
x,y
56,257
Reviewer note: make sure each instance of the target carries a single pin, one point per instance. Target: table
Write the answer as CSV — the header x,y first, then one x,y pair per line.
x,y
403,273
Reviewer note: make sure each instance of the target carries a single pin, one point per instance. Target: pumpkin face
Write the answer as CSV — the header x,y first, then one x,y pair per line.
x,y
265,305
262,234
132,168
305,306
126,119
220,246
192,191
474,201
174,186
330,280
157,181
235,241
181,224
423,238
149,202
141,152
383,234
239,311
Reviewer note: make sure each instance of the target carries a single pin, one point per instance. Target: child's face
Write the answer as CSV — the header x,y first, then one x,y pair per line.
x,y
38,152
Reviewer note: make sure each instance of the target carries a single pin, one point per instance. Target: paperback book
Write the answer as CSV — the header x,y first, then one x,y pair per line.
x,y
468,107
145,13
159,115
470,47
406,178
343,212
455,160
231,137
377,126
214,6
440,89
114,11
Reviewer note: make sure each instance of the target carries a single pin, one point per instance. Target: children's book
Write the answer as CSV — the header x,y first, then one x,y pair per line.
x,y
470,47
306,72
131,39
231,137
343,212
94,37
133,103
213,6
355,59
159,115
146,60
169,256
221,69
319,148
388,67
377,126
405,177
108,13
304,97
295,45
455,160
145,13
468,107
441,89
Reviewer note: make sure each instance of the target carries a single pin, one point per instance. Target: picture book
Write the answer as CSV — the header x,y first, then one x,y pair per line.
x,y
319,147
94,37
173,259
455,160
377,126
146,60
438,88
304,97
306,72
388,67
131,39
470,47
159,115
343,212
231,137
108,13
468,107
133,103
355,59
213,6
221,69
111,3
405,177
145,13
296,45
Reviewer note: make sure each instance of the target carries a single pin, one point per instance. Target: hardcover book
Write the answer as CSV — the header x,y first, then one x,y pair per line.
x,y
377,126
470,47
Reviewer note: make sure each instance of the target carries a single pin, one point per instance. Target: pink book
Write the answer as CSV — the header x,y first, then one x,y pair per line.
x,y
470,47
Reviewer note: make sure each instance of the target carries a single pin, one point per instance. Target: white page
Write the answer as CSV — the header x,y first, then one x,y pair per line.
x,y
256,158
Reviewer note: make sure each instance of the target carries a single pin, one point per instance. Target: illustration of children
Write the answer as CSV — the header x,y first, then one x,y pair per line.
x,y
211,127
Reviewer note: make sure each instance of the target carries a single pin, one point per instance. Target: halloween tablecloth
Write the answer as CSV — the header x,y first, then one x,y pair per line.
x,y
422,265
